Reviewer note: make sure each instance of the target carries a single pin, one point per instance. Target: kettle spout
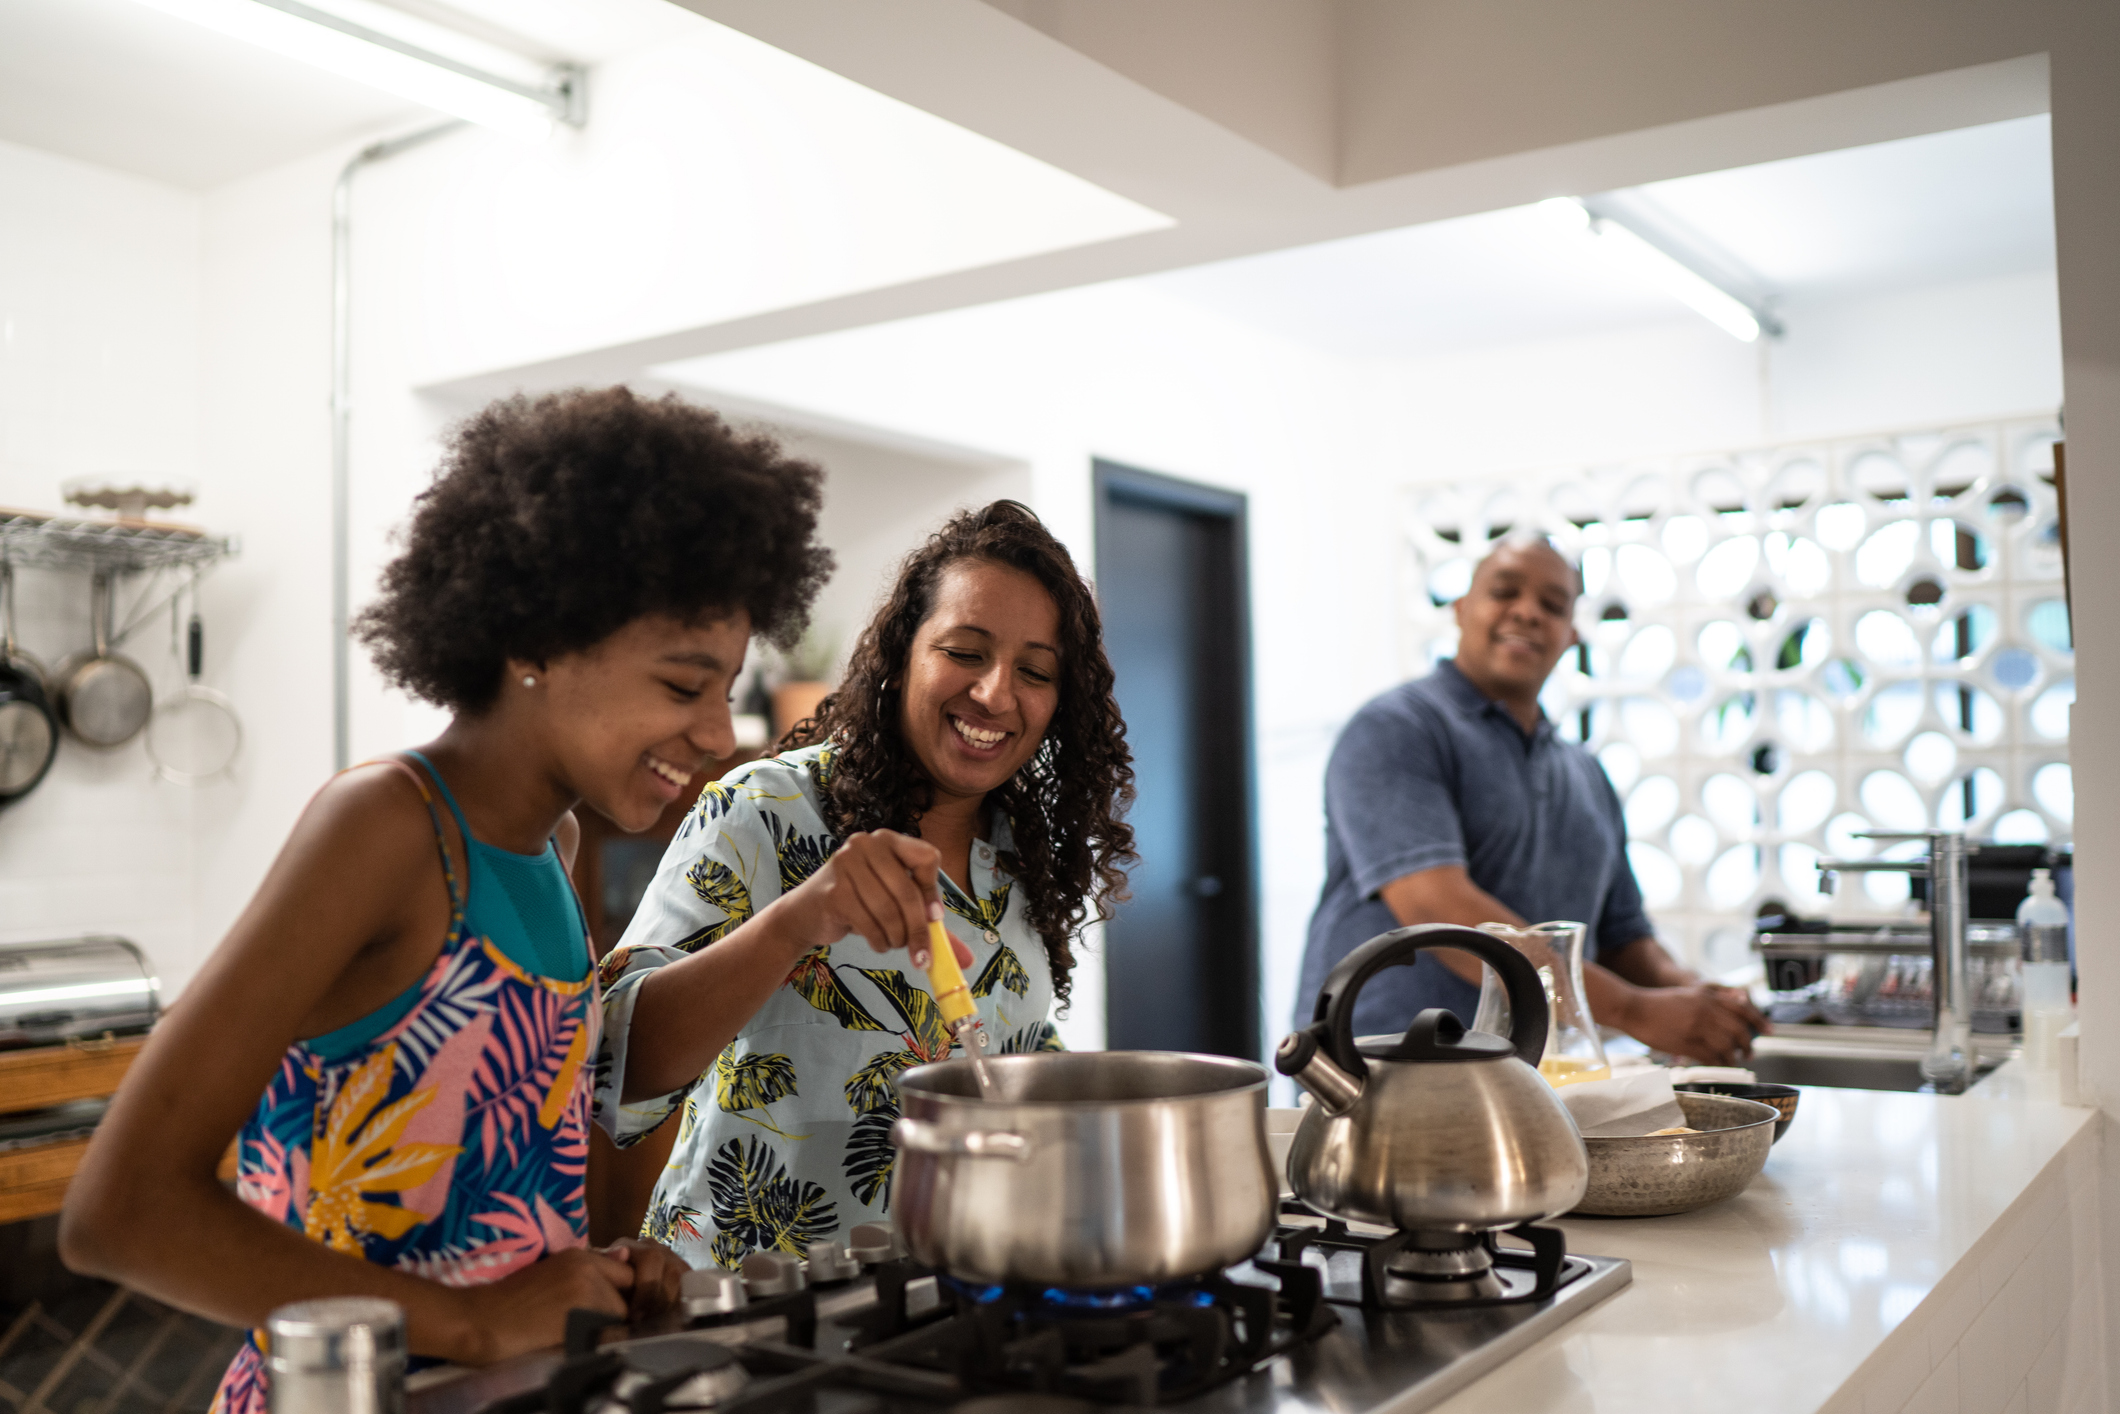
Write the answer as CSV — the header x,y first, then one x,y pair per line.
x,y
1300,1058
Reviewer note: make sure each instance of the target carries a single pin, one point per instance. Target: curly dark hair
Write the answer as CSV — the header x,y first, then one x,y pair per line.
x,y
555,521
1064,806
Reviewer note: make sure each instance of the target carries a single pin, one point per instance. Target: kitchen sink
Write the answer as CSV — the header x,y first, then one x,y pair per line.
x,y
1846,1072
1857,1057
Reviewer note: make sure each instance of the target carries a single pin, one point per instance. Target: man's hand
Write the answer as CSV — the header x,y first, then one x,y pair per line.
x,y
1704,1023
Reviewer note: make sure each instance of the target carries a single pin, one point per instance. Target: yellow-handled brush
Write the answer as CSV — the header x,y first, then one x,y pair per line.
x,y
946,978
960,1013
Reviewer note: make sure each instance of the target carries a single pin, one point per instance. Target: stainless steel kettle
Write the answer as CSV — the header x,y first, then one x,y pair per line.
x,y
1439,1130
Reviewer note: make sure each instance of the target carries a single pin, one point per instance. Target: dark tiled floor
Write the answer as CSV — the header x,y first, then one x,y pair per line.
x,y
72,1345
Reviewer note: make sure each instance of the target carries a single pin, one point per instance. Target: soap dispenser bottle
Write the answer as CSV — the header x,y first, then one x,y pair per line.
x,y
2042,937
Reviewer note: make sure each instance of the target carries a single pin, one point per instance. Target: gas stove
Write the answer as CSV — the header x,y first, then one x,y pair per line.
x,y
1355,1320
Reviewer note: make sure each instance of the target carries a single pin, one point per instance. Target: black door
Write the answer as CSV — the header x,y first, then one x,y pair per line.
x,y
1181,957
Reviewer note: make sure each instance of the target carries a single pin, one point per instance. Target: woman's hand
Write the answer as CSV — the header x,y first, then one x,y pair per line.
x,y
528,1310
880,884
658,1275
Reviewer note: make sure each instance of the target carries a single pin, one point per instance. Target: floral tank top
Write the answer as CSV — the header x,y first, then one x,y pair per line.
x,y
453,1143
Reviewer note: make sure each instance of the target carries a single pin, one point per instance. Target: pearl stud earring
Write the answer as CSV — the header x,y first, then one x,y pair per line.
x,y
529,681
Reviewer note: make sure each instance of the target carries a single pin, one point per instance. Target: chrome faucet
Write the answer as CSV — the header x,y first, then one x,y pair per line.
x,y
1949,1064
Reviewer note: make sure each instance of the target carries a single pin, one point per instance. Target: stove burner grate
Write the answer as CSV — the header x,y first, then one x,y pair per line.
x,y
1139,1345
1409,1271
1135,1346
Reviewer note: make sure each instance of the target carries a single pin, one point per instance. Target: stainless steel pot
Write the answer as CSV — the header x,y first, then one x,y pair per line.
x,y
1094,1170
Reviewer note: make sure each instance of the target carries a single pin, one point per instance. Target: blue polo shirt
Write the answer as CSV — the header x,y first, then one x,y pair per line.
x,y
1433,773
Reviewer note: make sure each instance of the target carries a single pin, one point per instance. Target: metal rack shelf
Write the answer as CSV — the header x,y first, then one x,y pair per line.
x,y
114,546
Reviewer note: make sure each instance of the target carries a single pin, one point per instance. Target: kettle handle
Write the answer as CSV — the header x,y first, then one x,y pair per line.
x,y
1332,1021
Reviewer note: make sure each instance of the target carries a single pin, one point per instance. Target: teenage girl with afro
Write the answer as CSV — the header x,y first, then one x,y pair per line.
x,y
399,1030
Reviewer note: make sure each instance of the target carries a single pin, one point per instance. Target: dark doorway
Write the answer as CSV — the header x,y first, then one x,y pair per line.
x,y
1182,956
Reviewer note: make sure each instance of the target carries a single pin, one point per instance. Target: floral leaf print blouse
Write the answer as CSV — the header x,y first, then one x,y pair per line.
x,y
787,1138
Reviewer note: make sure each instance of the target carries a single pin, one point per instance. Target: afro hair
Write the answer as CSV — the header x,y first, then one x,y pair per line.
x,y
554,521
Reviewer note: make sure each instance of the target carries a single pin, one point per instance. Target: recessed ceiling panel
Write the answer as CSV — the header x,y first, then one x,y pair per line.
x,y
1961,205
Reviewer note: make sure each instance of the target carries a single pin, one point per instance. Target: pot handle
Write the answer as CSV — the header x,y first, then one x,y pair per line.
x,y
1332,1020
918,1136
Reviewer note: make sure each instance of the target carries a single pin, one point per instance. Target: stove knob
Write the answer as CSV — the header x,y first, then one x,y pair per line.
x,y
831,1262
772,1274
711,1291
875,1242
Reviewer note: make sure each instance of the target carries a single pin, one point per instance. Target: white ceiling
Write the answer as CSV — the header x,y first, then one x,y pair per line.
x,y
1949,206
116,83
123,86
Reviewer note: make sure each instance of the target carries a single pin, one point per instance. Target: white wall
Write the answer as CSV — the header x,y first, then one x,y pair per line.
x,y
100,319
265,453
186,338
1127,373
879,503
1324,445
170,337
1042,384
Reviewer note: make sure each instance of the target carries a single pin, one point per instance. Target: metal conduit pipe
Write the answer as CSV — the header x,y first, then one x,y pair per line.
x,y
342,426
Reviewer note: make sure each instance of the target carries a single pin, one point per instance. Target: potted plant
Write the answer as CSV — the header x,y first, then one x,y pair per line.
x,y
804,680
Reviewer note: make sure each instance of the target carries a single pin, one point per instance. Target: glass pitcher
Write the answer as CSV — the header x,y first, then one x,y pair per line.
x,y
1574,1051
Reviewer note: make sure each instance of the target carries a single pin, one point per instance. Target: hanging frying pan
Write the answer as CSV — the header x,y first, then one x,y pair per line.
x,y
29,733
104,699
194,737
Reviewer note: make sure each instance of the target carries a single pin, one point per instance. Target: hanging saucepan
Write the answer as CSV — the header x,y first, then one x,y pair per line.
x,y
29,733
104,699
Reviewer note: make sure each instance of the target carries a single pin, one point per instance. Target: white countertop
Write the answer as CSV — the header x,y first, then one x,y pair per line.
x,y
1772,1300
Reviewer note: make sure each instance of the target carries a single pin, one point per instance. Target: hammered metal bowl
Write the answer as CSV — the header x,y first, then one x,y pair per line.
x,y
1781,1097
1651,1175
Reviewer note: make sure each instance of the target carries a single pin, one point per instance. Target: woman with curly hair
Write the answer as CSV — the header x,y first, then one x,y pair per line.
x,y
396,1031
974,746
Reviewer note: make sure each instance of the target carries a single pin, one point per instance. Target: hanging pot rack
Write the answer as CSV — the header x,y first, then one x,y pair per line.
x,y
115,547
119,546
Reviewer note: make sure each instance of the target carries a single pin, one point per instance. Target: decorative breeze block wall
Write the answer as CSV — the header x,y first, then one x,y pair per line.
x,y
1784,646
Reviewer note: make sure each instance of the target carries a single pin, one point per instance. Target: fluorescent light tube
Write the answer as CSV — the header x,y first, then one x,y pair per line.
x,y
317,36
1627,250
1719,308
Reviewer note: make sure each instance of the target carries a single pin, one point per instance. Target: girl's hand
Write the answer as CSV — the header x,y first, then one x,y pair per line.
x,y
528,1310
658,1275
880,884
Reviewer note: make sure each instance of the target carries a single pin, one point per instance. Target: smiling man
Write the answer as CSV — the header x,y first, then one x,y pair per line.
x,y
1451,799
